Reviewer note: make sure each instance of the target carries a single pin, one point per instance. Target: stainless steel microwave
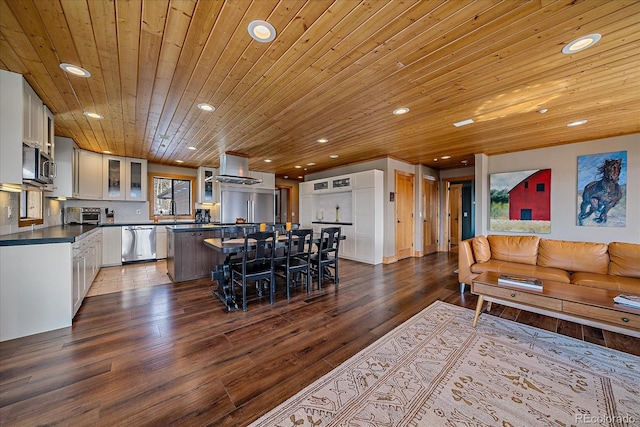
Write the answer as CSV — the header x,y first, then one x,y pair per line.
x,y
37,167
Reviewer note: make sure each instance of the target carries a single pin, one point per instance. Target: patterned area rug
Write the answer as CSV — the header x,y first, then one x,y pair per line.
x,y
435,369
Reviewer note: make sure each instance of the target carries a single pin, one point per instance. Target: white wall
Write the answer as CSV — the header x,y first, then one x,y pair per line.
x,y
563,162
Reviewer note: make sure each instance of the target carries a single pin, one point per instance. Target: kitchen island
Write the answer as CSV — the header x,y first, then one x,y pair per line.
x,y
44,276
187,256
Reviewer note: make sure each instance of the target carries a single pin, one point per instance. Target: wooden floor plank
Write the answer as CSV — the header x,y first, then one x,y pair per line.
x,y
170,353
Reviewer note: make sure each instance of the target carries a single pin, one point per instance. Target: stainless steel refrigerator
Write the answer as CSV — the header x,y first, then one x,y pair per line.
x,y
254,205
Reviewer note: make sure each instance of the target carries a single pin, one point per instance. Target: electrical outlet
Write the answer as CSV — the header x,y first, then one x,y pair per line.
x,y
137,211
9,212
48,211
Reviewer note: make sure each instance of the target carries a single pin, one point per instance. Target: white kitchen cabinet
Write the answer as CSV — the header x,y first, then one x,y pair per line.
x,y
360,197
33,117
136,179
11,131
305,188
88,175
207,185
86,261
368,205
111,246
305,209
79,266
124,178
79,172
161,241
63,183
268,180
48,129
347,246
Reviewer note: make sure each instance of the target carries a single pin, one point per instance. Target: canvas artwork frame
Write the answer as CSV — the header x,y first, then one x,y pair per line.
x,y
520,201
602,190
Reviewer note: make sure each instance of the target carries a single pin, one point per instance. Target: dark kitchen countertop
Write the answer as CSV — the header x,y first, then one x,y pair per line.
x,y
178,228
40,236
70,233
332,222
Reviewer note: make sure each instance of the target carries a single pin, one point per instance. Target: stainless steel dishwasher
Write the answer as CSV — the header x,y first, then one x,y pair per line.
x,y
138,243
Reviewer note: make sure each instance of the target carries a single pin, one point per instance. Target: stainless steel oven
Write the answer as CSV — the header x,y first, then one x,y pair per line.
x,y
75,215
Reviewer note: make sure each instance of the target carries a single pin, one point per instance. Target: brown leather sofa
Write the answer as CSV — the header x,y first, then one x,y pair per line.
x,y
613,266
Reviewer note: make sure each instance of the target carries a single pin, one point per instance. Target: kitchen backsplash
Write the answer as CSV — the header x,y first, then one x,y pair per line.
x,y
52,213
124,212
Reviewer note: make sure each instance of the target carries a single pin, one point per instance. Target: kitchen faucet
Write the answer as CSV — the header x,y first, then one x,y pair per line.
x,y
174,211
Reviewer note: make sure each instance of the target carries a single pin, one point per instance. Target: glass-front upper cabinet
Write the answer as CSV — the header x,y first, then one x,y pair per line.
x,y
136,179
124,178
48,137
114,171
207,191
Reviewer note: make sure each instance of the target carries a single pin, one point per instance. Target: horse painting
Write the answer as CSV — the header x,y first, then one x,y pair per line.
x,y
600,196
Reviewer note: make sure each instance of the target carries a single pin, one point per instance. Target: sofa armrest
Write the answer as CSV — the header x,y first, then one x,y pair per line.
x,y
465,261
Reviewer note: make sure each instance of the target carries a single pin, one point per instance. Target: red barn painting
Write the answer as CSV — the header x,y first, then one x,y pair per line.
x,y
530,199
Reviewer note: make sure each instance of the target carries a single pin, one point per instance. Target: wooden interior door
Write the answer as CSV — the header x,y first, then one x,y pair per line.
x,y
455,216
404,200
283,205
430,219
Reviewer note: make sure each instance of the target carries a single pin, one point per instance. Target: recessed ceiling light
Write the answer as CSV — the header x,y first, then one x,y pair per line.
x,y
311,164
299,176
286,176
464,162
179,161
435,160
268,160
577,123
463,123
543,110
262,31
581,43
75,70
206,107
94,115
323,140
191,148
107,152
334,156
400,111
445,157
298,167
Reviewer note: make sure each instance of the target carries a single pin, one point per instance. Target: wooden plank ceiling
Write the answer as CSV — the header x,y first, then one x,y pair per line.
x,y
336,70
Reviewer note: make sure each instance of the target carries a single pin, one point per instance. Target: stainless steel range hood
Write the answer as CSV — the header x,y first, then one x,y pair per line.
x,y
235,170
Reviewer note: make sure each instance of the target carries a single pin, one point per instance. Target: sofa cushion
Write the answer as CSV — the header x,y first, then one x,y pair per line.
x,y
481,249
607,281
574,256
522,249
519,269
625,259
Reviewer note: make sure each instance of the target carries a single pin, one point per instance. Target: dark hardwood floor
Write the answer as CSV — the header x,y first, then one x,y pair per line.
x,y
170,354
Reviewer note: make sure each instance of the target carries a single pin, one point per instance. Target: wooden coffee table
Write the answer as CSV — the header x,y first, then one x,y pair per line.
x,y
580,304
